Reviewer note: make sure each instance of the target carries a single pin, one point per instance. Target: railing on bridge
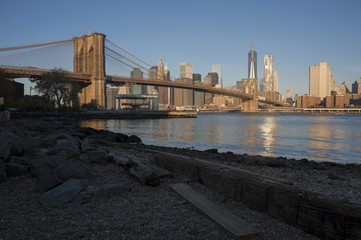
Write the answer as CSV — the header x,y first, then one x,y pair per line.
x,y
31,72
142,81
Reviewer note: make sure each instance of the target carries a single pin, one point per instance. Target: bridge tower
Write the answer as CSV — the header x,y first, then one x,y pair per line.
x,y
250,86
89,57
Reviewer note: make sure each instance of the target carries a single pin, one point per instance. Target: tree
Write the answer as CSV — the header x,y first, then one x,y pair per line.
x,y
57,86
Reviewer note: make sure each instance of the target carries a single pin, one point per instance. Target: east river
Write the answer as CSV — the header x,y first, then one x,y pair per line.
x,y
319,137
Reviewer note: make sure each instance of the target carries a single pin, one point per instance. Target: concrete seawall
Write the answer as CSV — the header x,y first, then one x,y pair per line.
x,y
309,211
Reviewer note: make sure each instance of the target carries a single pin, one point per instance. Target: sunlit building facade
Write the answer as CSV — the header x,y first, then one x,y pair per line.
x,y
320,80
252,63
186,70
268,73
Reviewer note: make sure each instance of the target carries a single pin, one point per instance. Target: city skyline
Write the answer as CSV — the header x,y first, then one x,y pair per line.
x,y
300,36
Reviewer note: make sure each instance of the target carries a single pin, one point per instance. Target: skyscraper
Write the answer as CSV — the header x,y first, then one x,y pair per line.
x,y
198,96
137,89
268,73
320,80
355,87
214,78
218,69
163,91
160,73
183,97
152,75
186,70
197,77
167,78
166,73
252,63
275,82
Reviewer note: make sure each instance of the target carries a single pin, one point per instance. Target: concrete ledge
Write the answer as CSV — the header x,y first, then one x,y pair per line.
x,y
311,212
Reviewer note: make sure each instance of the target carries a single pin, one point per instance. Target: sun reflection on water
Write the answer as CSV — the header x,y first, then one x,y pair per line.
x,y
268,133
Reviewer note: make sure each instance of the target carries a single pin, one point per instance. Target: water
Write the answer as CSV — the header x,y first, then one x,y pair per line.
x,y
320,137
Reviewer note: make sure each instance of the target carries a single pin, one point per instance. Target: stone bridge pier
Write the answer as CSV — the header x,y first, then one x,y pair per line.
x,y
89,57
250,86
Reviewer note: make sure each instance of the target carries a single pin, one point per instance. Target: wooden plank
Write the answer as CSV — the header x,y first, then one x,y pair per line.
x,y
234,226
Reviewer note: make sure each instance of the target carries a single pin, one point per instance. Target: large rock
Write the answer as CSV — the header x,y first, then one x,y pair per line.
x,y
134,139
47,182
5,148
63,172
72,169
66,147
20,160
104,135
122,137
107,190
17,149
52,139
120,159
84,145
45,165
99,157
3,175
13,169
64,193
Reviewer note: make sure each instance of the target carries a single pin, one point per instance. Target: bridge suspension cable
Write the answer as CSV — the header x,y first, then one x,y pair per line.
x,y
127,52
32,46
131,63
126,58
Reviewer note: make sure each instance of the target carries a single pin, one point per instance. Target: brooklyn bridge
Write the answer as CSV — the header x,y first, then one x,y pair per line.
x,y
89,58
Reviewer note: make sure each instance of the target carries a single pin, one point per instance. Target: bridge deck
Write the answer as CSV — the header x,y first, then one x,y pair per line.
x,y
33,72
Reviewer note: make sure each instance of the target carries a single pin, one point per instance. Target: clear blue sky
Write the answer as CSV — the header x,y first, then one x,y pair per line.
x,y
297,33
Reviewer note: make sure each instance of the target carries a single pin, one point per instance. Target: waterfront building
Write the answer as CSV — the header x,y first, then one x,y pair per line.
x,y
320,80
111,92
268,73
183,97
137,89
220,101
186,70
252,63
307,101
217,68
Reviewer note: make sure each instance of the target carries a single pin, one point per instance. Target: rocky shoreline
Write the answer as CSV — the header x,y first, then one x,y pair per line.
x,y
60,181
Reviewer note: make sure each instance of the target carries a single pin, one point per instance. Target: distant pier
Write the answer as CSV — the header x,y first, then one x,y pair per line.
x,y
312,110
126,114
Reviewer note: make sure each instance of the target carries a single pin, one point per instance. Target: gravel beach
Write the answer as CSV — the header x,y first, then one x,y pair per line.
x,y
144,212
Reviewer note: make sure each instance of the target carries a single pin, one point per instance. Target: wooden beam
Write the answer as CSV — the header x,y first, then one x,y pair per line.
x,y
234,226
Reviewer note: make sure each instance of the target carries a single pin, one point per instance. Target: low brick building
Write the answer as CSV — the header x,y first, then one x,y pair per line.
x,y
306,101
